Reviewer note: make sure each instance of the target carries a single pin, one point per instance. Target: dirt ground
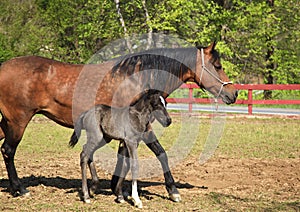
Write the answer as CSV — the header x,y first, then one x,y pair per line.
x,y
221,184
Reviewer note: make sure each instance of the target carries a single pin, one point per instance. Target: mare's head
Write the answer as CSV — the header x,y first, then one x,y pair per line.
x,y
210,75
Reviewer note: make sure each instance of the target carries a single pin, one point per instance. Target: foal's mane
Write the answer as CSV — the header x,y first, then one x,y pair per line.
x,y
173,60
144,95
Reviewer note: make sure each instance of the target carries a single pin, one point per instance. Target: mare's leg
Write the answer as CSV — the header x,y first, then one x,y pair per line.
x,y
121,170
134,166
13,135
152,142
2,135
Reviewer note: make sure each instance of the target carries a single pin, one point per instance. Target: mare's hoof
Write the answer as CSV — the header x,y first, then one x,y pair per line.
x,y
175,197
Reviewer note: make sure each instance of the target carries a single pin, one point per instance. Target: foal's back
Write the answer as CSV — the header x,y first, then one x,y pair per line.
x,y
118,123
113,122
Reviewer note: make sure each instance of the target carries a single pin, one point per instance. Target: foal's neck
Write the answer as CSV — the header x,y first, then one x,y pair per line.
x,y
141,111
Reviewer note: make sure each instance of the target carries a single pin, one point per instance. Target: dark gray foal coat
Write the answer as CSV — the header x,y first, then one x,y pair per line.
x,y
103,123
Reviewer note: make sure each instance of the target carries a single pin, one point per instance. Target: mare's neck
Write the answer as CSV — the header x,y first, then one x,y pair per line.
x,y
164,69
169,85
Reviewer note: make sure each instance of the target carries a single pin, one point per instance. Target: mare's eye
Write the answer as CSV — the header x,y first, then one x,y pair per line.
x,y
218,67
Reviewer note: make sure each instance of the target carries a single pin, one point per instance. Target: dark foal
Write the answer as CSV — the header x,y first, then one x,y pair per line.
x,y
128,124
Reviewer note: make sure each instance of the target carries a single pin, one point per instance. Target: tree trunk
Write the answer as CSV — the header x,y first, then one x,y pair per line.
x,y
149,40
127,40
270,63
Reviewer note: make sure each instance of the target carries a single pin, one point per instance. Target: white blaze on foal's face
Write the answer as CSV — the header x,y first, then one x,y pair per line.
x,y
163,101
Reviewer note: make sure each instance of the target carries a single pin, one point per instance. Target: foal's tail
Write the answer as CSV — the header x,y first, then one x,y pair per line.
x,y
77,132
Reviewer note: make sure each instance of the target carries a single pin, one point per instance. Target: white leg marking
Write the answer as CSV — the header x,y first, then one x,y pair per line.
x,y
135,196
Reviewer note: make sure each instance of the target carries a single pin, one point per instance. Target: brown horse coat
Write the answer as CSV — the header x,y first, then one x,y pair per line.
x,y
31,85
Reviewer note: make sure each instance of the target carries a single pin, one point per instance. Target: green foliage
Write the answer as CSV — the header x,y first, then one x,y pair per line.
x,y
258,42
18,30
259,29
75,29
5,52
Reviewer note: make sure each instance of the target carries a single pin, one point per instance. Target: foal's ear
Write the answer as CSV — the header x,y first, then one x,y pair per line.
x,y
210,48
151,92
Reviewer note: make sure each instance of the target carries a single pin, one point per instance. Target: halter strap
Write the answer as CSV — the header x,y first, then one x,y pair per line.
x,y
212,74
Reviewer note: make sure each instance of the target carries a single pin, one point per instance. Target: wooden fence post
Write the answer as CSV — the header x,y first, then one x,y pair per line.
x,y
190,99
250,101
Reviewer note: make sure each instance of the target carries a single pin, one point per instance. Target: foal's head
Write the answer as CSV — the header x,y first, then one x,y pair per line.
x,y
153,105
158,107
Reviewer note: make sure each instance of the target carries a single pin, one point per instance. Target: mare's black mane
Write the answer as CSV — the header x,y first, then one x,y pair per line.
x,y
161,69
172,60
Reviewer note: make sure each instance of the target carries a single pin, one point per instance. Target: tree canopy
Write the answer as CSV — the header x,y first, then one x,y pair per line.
x,y
259,41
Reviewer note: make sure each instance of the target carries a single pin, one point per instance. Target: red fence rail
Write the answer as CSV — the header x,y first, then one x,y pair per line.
x,y
250,101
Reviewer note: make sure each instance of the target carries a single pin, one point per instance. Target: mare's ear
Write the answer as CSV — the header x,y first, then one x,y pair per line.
x,y
210,48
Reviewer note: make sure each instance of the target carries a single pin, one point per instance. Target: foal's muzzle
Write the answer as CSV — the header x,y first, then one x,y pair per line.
x,y
168,122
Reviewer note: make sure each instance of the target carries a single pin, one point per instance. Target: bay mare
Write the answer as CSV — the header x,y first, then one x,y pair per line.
x,y
35,85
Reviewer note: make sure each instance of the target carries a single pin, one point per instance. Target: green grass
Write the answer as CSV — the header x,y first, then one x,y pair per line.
x,y
261,138
241,138
45,136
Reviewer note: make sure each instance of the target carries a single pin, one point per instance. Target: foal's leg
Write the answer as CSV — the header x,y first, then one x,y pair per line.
x,y
95,179
91,164
152,142
121,170
13,135
86,158
135,195
134,165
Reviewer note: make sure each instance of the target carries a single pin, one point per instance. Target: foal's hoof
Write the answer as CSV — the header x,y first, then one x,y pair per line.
x,y
93,188
138,204
21,193
27,194
120,199
88,201
175,197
